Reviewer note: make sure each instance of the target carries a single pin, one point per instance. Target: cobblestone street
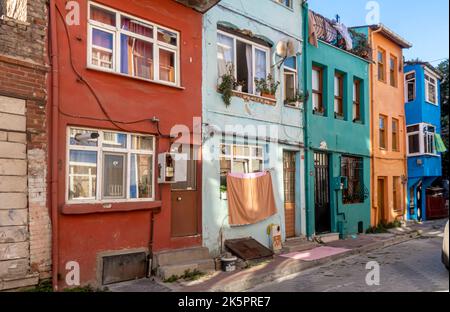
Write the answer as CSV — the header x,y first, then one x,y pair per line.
x,y
412,266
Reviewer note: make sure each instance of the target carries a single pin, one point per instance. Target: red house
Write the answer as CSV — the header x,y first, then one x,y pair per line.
x,y
124,73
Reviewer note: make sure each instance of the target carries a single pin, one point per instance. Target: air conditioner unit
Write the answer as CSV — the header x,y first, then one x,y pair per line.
x,y
172,168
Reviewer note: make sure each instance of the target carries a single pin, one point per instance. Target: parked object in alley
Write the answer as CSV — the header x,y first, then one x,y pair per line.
x,y
228,263
248,249
445,247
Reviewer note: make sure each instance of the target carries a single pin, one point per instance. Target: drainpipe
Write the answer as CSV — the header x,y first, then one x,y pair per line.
x,y
305,111
372,129
54,143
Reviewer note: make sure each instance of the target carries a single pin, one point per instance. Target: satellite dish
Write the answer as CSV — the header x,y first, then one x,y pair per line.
x,y
288,47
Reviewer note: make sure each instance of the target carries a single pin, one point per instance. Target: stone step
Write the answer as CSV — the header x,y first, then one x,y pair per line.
x,y
327,238
180,256
167,271
298,245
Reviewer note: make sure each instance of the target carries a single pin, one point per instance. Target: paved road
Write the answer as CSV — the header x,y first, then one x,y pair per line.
x,y
413,266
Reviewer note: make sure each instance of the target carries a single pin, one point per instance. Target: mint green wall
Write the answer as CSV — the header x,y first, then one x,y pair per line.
x,y
342,137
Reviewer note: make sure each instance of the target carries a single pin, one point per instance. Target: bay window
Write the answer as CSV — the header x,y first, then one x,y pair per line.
x,y
111,166
250,60
127,45
421,139
430,89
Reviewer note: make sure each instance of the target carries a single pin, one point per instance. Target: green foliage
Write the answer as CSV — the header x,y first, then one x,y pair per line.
x,y
43,286
443,68
227,84
268,85
383,227
187,276
298,97
361,46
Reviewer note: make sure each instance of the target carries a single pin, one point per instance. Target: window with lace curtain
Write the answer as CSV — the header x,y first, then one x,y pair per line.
x,y
130,46
14,9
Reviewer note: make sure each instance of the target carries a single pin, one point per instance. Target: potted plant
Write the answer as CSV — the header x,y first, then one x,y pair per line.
x,y
298,98
239,85
227,84
267,87
223,192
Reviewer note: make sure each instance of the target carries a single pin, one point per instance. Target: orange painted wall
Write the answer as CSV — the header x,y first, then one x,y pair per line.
x,y
386,163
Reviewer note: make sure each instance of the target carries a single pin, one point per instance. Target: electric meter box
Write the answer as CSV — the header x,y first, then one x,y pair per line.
x,y
172,168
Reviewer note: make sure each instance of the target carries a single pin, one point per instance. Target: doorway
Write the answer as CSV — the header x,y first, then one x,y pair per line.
x,y
381,193
289,172
185,202
322,193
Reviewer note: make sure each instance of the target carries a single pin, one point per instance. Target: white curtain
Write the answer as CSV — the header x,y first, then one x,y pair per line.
x,y
249,53
225,53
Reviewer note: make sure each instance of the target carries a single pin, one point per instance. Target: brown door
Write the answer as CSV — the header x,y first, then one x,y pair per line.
x,y
185,202
289,192
381,199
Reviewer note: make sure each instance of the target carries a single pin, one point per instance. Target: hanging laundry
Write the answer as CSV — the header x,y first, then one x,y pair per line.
x,y
343,31
250,198
313,38
440,145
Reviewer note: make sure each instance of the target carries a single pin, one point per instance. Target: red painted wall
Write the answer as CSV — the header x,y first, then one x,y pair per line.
x,y
82,237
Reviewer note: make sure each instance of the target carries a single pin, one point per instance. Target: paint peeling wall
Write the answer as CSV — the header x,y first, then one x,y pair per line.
x,y
261,18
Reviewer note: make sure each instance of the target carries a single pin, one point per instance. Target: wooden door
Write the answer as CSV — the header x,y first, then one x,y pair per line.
x,y
185,203
381,199
289,170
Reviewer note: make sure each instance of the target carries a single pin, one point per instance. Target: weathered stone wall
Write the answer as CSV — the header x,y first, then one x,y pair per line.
x,y
25,229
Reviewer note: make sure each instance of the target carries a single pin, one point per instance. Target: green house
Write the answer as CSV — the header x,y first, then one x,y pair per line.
x,y
337,136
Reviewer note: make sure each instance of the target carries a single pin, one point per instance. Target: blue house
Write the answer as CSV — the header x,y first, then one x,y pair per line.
x,y
423,128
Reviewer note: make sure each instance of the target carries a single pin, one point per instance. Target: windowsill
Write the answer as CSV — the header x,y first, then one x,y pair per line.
x,y
294,105
255,98
91,208
431,103
353,204
421,155
161,83
339,117
286,7
358,121
318,113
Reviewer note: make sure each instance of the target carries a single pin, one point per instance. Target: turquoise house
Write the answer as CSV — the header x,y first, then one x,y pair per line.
x,y
337,134
252,131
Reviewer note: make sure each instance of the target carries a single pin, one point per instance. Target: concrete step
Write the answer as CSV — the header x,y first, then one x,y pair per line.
x,y
204,265
327,238
298,245
180,256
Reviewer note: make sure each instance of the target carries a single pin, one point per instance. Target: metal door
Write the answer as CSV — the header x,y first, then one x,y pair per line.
x,y
289,171
322,193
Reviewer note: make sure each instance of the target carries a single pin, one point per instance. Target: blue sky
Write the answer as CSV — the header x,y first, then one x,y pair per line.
x,y
423,23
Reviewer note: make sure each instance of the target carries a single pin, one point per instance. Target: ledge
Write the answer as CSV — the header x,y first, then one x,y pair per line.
x,y
86,208
255,98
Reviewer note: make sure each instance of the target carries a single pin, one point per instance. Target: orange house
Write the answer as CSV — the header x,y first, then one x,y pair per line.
x,y
388,145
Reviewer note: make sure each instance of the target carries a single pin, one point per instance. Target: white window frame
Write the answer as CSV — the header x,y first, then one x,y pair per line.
x,y
427,83
255,46
289,6
292,72
101,151
422,136
117,32
407,81
250,158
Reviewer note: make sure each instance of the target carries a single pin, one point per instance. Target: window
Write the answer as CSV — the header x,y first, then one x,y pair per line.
x,y
381,65
290,82
430,89
356,100
393,71
111,166
397,194
410,86
133,47
395,136
15,9
240,159
287,3
382,132
421,139
338,95
250,60
317,89
352,168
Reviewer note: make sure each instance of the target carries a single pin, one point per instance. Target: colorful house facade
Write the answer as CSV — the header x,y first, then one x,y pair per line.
x,y
123,77
423,128
337,138
388,163
253,132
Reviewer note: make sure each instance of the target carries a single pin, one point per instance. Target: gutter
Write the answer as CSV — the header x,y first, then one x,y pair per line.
x,y
54,75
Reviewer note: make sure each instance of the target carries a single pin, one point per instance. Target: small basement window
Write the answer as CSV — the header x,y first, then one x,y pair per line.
x,y
15,9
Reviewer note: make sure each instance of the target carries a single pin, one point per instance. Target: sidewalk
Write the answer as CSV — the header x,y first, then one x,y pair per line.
x,y
280,266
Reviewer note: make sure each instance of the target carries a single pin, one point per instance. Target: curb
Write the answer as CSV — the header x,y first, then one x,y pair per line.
x,y
298,267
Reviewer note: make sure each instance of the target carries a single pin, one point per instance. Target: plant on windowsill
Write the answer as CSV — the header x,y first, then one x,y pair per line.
x,y
239,86
319,111
267,87
338,115
295,100
227,84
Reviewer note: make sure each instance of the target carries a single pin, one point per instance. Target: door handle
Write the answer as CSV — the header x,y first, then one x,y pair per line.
x,y
179,199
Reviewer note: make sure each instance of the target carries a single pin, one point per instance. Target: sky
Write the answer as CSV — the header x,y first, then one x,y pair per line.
x,y
423,23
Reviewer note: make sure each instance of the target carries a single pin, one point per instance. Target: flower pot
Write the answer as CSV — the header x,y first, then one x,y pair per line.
x,y
239,88
223,195
268,95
